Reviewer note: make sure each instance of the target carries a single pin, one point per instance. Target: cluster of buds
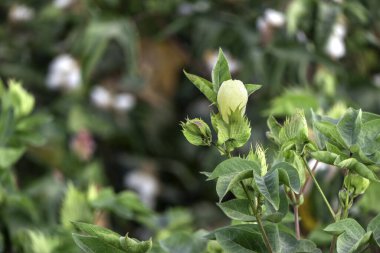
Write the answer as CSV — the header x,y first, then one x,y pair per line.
x,y
105,99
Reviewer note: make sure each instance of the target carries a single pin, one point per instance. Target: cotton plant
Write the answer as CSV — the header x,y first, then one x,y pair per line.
x,y
262,191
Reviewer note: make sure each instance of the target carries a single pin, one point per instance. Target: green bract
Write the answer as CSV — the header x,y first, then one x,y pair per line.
x,y
232,95
197,132
358,183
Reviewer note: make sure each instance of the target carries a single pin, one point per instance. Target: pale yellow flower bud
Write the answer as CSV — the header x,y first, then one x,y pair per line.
x,y
232,95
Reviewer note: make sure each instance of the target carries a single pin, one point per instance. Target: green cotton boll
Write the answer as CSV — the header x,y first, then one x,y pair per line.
x,y
357,182
21,100
197,132
232,95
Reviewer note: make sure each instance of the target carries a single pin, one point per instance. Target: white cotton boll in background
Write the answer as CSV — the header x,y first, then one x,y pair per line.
x,y
62,4
21,13
101,97
335,47
339,30
64,72
274,18
376,80
261,24
145,185
320,167
124,102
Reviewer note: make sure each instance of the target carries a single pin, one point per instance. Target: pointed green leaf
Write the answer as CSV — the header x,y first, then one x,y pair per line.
x,y
269,187
374,227
238,209
220,72
349,126
288,175
351,235
251,88
92,244
234,166
203,85
359,168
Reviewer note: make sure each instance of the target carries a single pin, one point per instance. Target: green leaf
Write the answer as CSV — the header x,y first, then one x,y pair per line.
x,y
288,175
92,244
330,131
238,209
324,156
227,183
274,129
269,187
102,234
203,85
244,238
183,242
220,72
349,126
10,155
234,166
351,235
359,168
75,207
251,88
273,215
374,227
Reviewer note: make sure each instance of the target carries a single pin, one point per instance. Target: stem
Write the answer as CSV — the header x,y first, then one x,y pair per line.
x,y
295,205
297,222
258,219
308,179
320,191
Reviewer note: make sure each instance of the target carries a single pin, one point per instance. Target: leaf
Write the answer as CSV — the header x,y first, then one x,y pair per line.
x,y
330,131
10,155
102,234
226,183
324,156
359,168
350,235
269,187
237,209
251,88
274,215
220,72
244,238
374,227
75,207
349,126
288,175
182,242
234,166
203,85
92,244
274,128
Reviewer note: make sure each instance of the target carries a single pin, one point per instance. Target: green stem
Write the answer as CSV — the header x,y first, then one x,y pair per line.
x,y
258,218
320,190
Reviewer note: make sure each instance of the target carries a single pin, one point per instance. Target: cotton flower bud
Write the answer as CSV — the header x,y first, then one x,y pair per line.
x,y
357,182
232,95
197,132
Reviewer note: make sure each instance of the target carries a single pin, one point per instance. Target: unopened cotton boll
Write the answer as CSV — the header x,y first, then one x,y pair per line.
x,y
64,72
232,95
274,18
101,97
124,102
335,47
21,13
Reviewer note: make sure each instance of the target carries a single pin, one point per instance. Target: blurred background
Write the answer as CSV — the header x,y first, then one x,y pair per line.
x,y
110,94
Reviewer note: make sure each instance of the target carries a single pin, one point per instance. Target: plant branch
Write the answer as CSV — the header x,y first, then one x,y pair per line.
x,y
297,222
320,190
258,218
309,178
